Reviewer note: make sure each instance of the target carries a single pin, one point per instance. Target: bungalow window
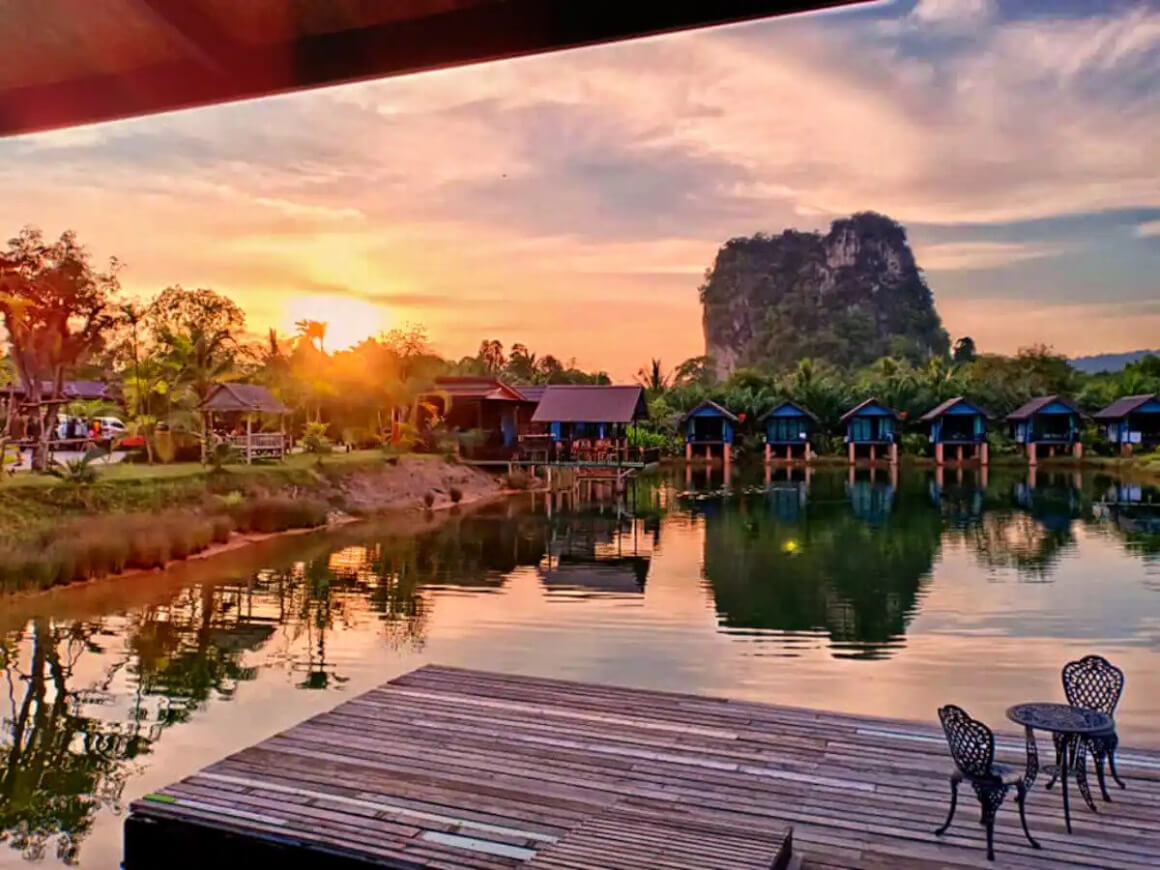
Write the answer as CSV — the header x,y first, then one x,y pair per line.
x,y
786,429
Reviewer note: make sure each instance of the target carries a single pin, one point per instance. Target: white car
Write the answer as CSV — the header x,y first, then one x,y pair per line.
x,y
111,427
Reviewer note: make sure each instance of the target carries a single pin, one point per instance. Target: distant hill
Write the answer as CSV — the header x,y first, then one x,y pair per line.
x,y
1109,362
849,297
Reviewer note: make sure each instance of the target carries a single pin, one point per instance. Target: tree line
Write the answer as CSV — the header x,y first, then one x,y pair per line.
x,y
67,318
995,382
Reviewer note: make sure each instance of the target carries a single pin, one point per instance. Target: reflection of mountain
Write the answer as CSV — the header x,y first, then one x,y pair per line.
x,y
830,571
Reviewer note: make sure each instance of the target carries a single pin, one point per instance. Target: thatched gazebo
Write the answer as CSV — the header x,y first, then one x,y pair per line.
x,y
240,401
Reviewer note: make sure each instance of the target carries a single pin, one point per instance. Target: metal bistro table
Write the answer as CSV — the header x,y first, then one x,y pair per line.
x,y
1071,725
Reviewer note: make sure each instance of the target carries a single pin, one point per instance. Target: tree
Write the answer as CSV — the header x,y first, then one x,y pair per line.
x,y
652,377
964,351
313,331
521,365
56,309
695,370
176,310
491,356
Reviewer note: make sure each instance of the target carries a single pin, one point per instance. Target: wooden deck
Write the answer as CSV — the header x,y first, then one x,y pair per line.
x,y
448,768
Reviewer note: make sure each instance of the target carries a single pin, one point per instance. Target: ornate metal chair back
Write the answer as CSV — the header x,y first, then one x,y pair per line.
x,y
972,743
1093,683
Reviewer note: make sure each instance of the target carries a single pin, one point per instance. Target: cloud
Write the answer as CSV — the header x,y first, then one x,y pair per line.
x,y
965,256
953,15
610,175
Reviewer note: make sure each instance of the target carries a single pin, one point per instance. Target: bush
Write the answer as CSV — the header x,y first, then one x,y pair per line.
x,y
279,514
456,494
914,444
517,479
999,443
429,499
221,527
314,439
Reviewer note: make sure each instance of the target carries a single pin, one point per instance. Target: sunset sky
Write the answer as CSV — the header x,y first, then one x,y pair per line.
x,y
573,201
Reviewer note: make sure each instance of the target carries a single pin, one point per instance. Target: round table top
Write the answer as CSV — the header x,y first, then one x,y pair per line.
x,y
1060,718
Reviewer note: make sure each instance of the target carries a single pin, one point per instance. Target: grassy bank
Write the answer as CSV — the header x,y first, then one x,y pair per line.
x,y
137,517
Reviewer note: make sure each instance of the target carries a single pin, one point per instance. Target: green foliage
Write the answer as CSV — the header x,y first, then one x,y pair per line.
x,y
314,439
80,472
668,442
914,444
1000,442
223,454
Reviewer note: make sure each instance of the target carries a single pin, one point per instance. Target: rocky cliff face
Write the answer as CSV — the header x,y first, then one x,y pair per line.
x,y
850,297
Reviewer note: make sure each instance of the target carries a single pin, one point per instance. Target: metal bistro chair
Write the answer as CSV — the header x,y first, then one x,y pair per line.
x,y
1094,683
972,746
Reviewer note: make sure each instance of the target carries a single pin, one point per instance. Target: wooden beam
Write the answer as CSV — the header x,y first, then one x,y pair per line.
x,y
216,70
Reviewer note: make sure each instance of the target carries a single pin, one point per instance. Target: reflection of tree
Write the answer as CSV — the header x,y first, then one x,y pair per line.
x,y
828,570
60,766
191,648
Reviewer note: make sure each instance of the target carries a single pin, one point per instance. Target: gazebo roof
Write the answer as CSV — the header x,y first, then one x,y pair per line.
x,y
244,397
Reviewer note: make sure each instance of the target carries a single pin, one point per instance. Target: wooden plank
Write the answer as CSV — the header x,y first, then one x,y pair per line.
x,y
462,770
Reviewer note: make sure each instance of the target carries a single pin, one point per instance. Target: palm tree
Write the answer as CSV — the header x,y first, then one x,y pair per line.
x,y
198,362
652,377
314,331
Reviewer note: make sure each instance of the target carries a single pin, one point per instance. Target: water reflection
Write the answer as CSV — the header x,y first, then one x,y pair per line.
x,y
738,585
845,556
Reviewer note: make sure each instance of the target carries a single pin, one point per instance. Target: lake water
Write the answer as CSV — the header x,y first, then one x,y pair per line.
x,y
871,595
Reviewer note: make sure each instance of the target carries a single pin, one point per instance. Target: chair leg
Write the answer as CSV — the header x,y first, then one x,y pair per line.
x,y
1112,768
1021,799
954,804
990,823
1100,777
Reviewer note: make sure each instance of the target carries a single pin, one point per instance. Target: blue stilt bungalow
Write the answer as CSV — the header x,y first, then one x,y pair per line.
x,y
707,426
960,424
788,429
1053,422
870,426
1132,422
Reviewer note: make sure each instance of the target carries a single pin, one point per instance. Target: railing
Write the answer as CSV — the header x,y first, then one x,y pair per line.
x,y
258,442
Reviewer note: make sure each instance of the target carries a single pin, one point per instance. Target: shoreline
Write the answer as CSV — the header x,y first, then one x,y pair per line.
x,y
414,520
367,492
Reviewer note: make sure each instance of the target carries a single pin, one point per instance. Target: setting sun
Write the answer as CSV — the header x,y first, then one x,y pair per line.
x,y
348,320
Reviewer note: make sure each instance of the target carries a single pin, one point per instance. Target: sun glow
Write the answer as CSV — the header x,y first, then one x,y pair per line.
x,y
348,321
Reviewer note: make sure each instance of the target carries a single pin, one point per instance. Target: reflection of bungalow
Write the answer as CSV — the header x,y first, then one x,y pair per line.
x,y
1133,422
709,425
232,406
1049,421
590,413
959,424
871,502
788,428
492,411
869,426
625,575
